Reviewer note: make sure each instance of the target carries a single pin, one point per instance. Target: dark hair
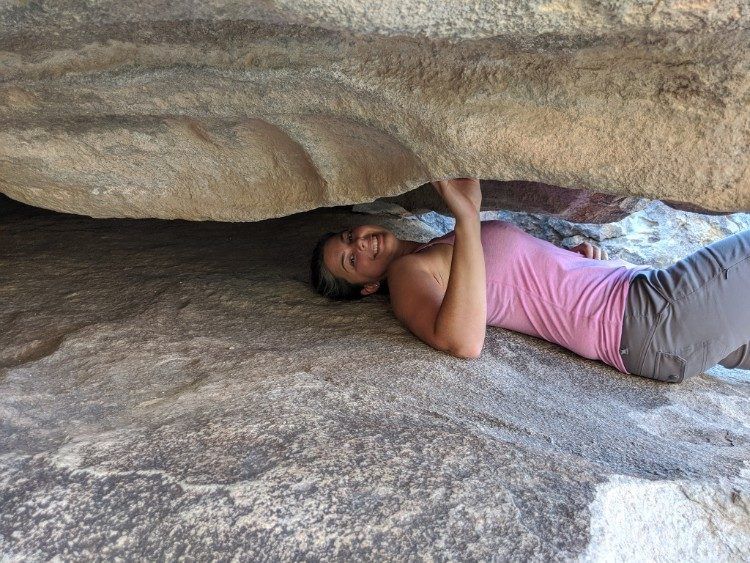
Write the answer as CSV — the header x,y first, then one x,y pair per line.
x,y
328,285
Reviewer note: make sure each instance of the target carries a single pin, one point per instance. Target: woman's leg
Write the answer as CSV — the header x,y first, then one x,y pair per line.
x,y
683,319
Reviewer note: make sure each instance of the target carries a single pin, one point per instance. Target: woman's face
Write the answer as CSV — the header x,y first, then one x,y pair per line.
x,y
360,254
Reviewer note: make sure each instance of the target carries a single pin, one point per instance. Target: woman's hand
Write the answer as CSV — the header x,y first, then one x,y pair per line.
x,y
462,196
590,251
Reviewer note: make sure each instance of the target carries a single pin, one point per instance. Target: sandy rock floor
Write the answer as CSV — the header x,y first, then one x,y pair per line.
x,y
175,389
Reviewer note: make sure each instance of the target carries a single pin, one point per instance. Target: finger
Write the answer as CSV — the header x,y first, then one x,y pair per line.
x,y
587,250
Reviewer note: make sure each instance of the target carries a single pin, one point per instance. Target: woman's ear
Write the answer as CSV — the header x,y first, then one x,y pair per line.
x,y
370,288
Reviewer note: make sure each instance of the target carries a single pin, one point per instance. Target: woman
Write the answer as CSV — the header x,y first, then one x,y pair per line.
x,y
664,324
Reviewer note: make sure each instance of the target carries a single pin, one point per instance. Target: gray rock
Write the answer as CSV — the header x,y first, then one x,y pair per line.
x,y
176,390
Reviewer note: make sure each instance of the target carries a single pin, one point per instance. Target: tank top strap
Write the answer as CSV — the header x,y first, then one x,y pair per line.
x,y
447,237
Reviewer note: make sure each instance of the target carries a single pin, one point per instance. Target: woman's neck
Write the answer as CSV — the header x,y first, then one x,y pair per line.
x,y
407,247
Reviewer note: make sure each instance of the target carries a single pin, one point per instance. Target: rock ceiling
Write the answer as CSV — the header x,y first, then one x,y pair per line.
x,y
230,112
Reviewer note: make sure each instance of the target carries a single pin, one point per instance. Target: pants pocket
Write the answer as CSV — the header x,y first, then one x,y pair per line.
x,y
673,368
670,367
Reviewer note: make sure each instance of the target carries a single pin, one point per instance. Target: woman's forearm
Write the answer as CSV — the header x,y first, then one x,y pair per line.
x,y
461,321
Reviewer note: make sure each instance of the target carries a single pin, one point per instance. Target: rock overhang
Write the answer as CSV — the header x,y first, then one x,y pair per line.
x,y
241,113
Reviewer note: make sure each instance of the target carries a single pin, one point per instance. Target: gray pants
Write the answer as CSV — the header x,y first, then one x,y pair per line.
x,y
681,320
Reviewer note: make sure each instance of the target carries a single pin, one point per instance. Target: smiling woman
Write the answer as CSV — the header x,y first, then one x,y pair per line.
x,y
353,263
361,255
448,290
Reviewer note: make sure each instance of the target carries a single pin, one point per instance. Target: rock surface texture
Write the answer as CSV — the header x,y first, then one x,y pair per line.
x,y
175,390
243,111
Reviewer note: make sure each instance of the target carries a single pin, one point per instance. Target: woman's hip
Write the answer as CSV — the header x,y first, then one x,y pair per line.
x,y
680,320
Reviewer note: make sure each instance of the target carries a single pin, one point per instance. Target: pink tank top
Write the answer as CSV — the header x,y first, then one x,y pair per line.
x,y
540,289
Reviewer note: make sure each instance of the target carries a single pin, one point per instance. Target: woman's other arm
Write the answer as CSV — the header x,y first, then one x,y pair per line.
x,y
590,251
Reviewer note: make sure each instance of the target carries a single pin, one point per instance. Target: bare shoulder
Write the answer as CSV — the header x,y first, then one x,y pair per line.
x,y
416,294
435,261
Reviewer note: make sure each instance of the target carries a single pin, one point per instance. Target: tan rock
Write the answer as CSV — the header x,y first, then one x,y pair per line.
x,y
236,113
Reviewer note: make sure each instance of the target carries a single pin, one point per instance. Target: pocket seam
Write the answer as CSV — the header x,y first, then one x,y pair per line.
x,y
652,333
676,300
736,263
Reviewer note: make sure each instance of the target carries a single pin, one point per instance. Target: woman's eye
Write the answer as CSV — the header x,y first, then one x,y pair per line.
x,y
349,236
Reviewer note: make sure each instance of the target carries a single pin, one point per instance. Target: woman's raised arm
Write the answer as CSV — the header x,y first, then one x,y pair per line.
x,y
462,319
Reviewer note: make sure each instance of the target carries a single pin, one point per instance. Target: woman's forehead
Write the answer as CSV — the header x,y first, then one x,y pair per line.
x,y
332,250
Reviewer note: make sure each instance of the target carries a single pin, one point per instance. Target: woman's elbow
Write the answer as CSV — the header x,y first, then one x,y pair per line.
x,y
467,352
466,349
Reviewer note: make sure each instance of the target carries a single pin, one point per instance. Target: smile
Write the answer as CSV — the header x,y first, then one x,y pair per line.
x,y
375,246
